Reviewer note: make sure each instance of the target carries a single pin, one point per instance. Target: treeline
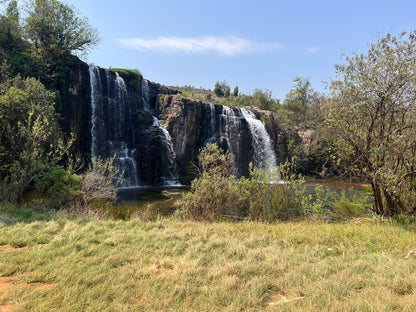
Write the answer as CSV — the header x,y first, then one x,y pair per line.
x,y
363,128
36,157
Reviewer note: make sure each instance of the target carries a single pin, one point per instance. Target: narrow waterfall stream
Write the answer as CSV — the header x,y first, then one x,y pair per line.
x,y
170,177
109,106
263,149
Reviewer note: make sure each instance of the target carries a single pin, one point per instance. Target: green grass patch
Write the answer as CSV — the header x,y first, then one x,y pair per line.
x,y
174,265
131,76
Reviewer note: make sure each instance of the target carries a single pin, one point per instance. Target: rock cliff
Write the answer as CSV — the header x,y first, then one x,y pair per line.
x,y
155,133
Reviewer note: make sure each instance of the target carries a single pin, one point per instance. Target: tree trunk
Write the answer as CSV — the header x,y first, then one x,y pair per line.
x,y
378,198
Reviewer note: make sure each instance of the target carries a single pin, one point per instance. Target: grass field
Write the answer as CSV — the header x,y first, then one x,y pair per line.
x,y
58,262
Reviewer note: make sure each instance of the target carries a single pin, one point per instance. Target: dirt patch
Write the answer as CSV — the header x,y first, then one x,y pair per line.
x,y
5,283
7,307
139,301
11,248
8,282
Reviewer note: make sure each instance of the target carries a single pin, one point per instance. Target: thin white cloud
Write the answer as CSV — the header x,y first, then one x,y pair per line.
x,y
220,45
312,49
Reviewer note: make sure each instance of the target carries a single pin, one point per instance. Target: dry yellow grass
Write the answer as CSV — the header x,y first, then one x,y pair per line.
x,y
172,265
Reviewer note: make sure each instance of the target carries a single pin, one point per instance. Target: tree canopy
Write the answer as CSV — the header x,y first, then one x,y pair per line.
x,y
29,133
54,27
372,117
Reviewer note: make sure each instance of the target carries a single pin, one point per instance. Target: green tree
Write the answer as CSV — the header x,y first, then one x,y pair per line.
x,y
372,117
235,92
218,90
264,99
227,92
18,53
299,99
30,139
54,28
221,87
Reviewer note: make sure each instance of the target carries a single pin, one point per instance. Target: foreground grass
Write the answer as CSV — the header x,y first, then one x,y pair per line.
x,y
74,264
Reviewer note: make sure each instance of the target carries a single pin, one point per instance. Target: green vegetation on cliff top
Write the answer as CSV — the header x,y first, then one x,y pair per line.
x,y
132,76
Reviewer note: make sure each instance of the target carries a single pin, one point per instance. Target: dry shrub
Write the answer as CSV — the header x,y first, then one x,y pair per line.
x,y
97,186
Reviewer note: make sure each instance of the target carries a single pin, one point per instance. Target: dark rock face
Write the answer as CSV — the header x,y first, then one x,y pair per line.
x,y
192,124
123,123
155,134
76,108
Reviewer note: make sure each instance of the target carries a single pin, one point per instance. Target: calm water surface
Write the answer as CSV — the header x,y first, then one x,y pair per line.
x,y
130,200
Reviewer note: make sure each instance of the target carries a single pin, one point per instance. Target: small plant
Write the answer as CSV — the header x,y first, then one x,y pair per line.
x,y
97,184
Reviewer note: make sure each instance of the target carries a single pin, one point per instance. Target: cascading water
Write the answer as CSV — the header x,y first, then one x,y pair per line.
x,y
229,129
145,95
155,122
262,145
145,150
110,112
230,134
170,178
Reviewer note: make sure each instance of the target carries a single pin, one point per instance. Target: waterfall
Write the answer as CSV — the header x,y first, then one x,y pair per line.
x,y
155,122
230,129
169,176
110,114
94,84
262,145
242,134
129,128
145,95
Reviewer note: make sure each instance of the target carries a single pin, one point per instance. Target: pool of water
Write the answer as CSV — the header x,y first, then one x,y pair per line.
x,y
132,200
336,185
163,199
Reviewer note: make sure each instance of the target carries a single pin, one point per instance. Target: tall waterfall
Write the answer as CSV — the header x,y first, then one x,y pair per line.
x,y
110,113
145,95
262,145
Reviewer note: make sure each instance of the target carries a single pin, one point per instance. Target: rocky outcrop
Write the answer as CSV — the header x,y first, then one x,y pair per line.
x,y
156,133
194,123
74,94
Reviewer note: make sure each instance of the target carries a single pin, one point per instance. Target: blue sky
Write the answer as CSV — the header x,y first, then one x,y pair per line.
x,y
253,44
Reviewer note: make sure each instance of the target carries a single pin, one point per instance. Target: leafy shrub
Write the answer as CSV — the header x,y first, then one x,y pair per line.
x,y
276,194
218,194
343,208
58,185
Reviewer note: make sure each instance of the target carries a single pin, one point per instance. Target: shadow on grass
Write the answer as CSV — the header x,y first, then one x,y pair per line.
x,y
12,214
407,222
